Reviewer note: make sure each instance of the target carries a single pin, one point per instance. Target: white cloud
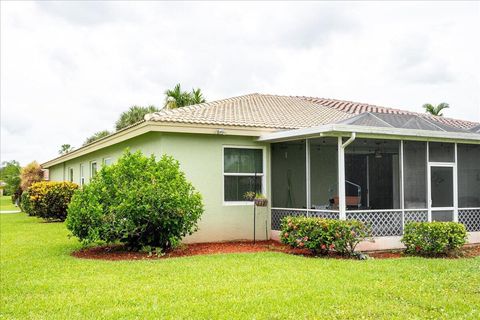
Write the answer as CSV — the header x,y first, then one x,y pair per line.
x,y
70,68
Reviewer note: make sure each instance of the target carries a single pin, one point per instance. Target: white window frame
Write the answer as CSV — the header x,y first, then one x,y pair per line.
x,y
452,165
104,162
263,174
91,171
82,174
70,178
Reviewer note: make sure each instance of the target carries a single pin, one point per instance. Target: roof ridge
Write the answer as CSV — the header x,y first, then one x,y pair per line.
x,y
395,109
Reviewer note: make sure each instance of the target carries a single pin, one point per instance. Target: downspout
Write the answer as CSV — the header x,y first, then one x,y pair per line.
x,y
342,207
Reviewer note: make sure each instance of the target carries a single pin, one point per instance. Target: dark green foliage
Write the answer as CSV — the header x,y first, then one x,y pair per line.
x,y
96,136
323,235
48,199
133,115
25,203
137,201
434,238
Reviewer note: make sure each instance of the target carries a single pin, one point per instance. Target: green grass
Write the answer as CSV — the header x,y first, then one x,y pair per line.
x,y
6,204
40,280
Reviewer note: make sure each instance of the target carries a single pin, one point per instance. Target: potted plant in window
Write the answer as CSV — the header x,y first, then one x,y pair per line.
x,y
249,196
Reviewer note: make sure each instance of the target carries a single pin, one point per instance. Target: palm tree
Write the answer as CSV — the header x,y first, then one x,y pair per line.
x,y
96,136
65,148
435,110
133,115
177,98
197,96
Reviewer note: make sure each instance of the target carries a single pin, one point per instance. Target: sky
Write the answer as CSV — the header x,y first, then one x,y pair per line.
x,y
68,69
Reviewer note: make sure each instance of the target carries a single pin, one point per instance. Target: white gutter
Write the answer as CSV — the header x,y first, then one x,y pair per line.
x,y
350,140
394,133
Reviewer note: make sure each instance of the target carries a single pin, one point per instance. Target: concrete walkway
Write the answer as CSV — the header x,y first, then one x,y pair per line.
x,y
10,211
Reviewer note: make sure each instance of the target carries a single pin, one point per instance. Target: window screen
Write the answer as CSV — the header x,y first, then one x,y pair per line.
x,y
415,174
243,172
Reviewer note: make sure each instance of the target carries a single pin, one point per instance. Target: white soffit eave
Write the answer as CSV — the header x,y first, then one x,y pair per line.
x,y
386,132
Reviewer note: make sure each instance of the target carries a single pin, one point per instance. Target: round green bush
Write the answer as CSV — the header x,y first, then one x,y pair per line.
x,y
323,235
434,238
48,199
137,201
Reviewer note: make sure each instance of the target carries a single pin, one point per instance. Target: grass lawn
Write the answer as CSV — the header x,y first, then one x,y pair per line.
x,y
6,204
40,280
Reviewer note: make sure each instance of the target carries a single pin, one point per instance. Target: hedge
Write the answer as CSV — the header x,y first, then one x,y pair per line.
x,y
48,199
434,238
323,235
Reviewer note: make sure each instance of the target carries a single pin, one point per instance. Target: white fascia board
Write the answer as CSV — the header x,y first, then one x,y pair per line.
x,y
365,131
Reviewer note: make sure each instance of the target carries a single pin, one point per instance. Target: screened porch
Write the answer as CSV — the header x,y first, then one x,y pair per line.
x,y
384,182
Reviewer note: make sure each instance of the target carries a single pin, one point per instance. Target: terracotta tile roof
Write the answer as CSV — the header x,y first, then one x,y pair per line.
x,y
357,108
284,112
254,110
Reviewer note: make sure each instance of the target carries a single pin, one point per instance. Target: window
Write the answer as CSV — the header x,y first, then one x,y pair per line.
x,y
82,174
93,169
107,161
243,172
70,174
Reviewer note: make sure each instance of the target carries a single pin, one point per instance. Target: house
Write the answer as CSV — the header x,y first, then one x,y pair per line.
x,y
309,156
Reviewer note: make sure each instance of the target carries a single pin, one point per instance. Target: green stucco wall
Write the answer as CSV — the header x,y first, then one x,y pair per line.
x,y
200,157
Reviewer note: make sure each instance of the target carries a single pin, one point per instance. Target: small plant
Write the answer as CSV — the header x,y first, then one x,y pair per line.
x,y
48,199
249,195
320,236
138,201
434,238
260,200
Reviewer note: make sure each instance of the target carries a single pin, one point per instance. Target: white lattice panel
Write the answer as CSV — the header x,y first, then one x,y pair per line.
x,y
383,223
470,218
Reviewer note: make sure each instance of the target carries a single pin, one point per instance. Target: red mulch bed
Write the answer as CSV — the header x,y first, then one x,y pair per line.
x,y
119,252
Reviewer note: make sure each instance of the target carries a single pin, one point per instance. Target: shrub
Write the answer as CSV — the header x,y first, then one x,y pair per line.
x,y
25,204
30,174
48,199
434,238
323,235
137,201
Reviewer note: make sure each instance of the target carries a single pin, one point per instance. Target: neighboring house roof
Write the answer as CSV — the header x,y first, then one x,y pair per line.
x,y
254,110
358,107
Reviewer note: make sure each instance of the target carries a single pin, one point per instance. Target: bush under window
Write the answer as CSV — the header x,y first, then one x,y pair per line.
x,y
137,201
48,199
434,238
323,235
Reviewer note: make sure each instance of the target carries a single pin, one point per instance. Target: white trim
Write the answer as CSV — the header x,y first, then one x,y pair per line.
x,y
376,210
341,180
96,168
429,187
402,186
302,209
82,174
262,175
455,187
307,174
474,208
104,160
